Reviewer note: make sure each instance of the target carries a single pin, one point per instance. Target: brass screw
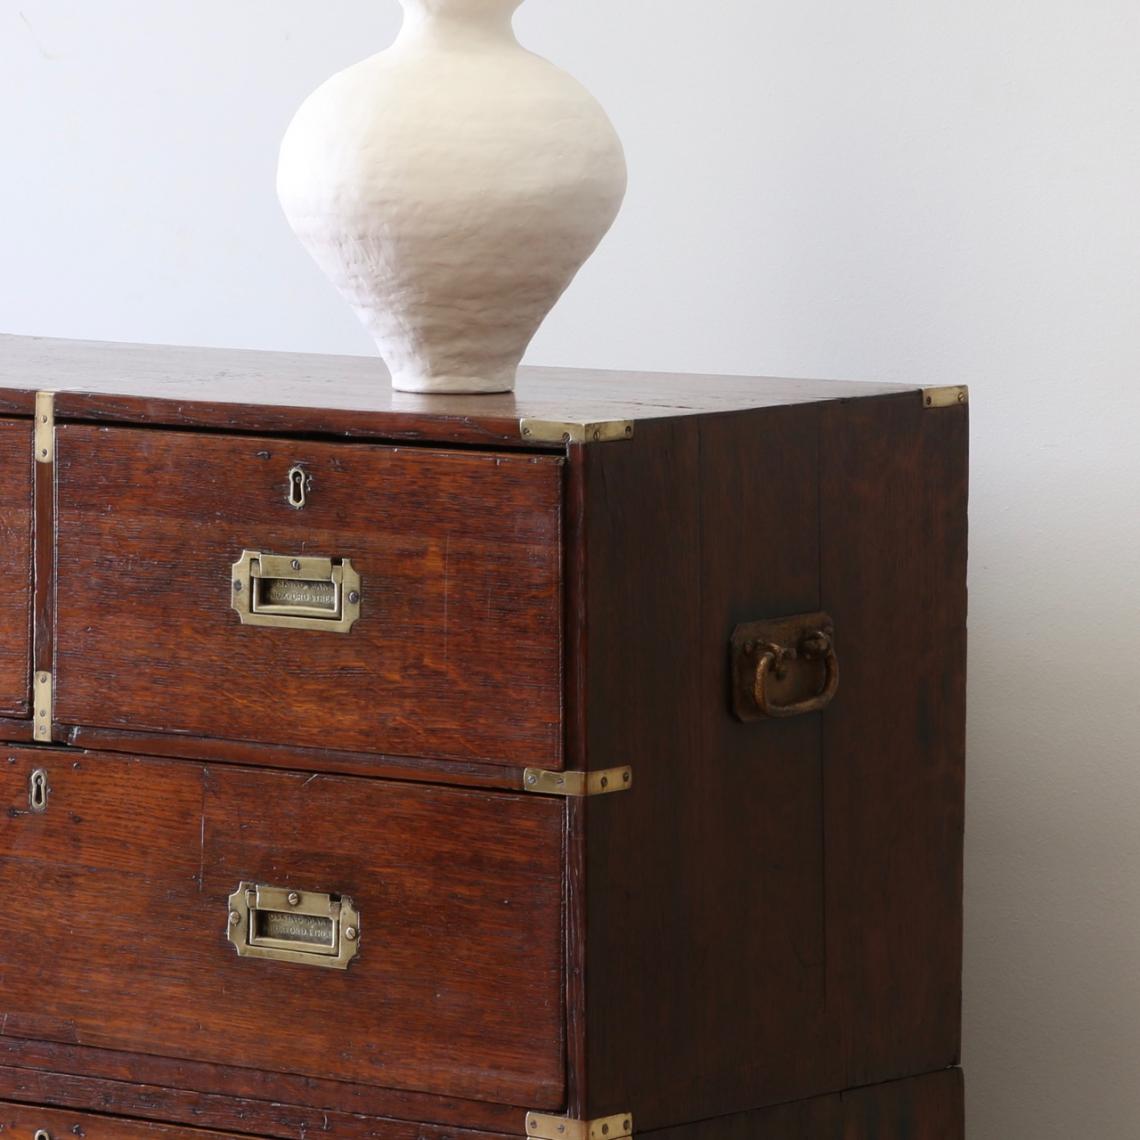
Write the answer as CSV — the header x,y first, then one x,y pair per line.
x,y
626,777
350,933
235,918
296,564
532,779
294,898
353,597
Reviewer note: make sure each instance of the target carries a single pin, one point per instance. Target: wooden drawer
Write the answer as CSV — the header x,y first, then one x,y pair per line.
x,y
457,650
27,1122
16,467
456,986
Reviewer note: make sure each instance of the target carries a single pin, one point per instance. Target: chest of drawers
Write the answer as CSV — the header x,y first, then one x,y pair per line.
x,y
576,764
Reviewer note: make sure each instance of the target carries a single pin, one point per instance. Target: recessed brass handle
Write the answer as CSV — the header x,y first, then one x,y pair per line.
x,y
42,1134
797,654
295,593
288,925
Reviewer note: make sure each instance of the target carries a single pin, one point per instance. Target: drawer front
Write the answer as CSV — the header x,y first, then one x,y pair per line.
x,y
455,987
26,1122
16,468
456,652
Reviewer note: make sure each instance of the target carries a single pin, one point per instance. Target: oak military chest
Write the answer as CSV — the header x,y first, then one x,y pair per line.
x,y
575,764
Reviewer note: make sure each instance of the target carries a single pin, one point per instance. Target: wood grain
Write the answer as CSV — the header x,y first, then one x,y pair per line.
x,y
21,1121
467,774
207,1114
178,1089
457,987
927,1107
457,654
893,569
16,470
268,392
705,882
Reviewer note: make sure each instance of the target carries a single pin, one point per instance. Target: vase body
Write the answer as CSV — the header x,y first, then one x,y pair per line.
x,y
451,187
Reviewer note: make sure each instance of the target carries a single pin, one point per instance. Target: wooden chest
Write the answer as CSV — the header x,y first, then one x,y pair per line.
x,y
576,764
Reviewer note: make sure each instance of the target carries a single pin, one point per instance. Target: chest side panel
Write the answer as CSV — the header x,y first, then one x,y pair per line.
x,y
793,884
893,577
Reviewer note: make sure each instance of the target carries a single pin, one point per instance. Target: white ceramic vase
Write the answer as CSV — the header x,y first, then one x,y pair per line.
x,y
451,187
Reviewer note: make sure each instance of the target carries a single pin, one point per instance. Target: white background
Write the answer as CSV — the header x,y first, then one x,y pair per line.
x,y
930,192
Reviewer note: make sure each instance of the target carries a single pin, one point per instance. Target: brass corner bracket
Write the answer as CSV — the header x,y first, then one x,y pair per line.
x,y
44,435
42,693
540,1126
945,397
544,783
560,431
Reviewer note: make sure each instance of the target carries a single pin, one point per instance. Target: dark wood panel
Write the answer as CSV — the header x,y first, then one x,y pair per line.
x,y
456,655
180,1089
922,1108
457,987
893,568
208,1114
341,395
705,882
16,478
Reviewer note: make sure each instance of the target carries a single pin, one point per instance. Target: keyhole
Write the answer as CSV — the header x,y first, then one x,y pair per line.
x,y
297,483
38,791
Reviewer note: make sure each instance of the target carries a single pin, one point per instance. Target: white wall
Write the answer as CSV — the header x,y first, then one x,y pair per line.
x,y
895,189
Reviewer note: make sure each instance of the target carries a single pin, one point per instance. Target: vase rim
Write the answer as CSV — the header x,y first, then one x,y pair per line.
x,y
462,7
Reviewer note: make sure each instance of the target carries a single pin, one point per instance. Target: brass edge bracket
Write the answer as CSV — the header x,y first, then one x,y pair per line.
x,y
45,427
539,1126
945,397
558,431
42,702
544,783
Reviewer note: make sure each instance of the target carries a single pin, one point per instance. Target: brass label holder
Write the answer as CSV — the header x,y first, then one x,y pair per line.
x,y
288,925
295,592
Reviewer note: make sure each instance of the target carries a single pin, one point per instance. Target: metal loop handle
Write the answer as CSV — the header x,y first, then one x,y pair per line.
x,y
773,661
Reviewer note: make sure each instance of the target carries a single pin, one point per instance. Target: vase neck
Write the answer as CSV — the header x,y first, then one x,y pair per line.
x,y
463,23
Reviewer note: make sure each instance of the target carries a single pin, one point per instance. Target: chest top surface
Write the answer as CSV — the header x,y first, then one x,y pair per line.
x,y
283,392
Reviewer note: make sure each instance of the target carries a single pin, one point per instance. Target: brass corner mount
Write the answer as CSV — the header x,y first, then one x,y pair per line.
x,y
540,1126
